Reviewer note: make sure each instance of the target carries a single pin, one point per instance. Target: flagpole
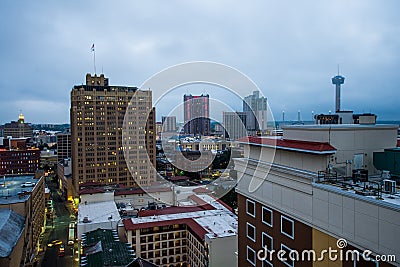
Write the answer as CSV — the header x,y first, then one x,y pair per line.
x,y
94,60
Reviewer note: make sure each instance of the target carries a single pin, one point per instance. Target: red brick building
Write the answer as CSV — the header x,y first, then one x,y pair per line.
x,y
17,158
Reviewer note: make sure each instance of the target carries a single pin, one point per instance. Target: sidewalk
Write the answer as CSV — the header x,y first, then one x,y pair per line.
x,y
45,240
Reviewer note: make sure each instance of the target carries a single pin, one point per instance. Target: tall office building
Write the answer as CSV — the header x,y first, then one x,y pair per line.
x,y
168,123
18,129
256,109
235,124
64,145
196,114
97,117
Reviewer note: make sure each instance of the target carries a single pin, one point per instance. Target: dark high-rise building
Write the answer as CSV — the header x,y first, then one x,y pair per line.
x,y
168,123
196,114
18,129
235,124
97,116
64,145
256,109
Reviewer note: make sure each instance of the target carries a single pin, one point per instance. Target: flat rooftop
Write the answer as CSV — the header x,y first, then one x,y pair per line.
x,y
340,126
98,212
386,200
11,190
216,222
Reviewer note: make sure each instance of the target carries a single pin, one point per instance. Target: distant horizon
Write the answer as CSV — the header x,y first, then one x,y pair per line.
x,y
276,121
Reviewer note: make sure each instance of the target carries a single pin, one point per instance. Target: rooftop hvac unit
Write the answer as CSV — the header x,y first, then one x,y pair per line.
x,y
389,186
386,175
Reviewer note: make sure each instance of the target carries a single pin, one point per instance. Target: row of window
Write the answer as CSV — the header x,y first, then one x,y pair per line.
x,y
287,224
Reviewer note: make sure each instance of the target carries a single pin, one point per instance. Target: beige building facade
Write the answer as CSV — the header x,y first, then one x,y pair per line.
x,y
97,120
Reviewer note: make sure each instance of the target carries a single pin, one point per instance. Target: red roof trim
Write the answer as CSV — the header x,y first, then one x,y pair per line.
x,y
89,184
224,204
299,145
198,200
87,191
174,210
201,190
134,191
196,228
179,178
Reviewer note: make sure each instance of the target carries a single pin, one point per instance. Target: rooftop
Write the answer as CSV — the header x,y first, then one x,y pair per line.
x,y
11,226
103,248
103,88
340,126
356,191
11,190
214,221
294,145
98,212
144,190
86,191
201,190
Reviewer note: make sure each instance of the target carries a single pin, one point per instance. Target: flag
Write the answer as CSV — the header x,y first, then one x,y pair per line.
x,y
92,49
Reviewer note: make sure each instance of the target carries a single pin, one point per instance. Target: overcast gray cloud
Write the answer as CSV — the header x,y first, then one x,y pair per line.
x,y
289,48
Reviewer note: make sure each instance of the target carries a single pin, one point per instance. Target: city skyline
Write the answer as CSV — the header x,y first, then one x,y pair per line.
x,y
290,50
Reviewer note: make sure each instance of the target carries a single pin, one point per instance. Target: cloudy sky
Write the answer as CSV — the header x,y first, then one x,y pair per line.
x,y
290,49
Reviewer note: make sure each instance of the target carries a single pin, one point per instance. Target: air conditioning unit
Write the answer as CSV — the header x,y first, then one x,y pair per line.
x,y
385,175
389,186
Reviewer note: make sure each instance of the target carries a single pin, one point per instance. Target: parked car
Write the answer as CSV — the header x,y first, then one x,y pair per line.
x,y
28,184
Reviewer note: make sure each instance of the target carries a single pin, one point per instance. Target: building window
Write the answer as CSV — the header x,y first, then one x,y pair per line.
x,y
267,241
287,227
267,216
286,258
251,232
251,256
267,246
251,208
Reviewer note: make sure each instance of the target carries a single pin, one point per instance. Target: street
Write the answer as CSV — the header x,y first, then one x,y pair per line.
x,y
59,230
